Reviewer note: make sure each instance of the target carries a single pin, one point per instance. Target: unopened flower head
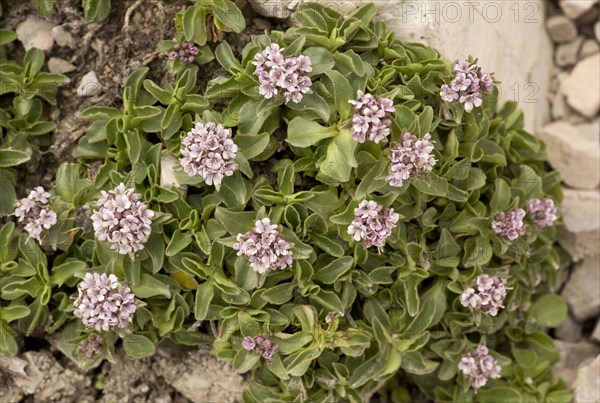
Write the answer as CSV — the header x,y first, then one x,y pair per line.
x,y
372,118
468,86
410,158
186,52
122,220
260,345
265,247
373,224
92,347
509,224
209,152
36,213
486,294
542,212
279,74
103,302
478,366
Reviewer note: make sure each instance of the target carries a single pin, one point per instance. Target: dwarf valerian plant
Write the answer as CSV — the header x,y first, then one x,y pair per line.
x,y
371,237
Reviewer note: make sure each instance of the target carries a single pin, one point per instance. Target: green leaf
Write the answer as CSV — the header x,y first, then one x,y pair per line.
x,y
329,300
138,346
63,272
321,59
340,159
432,184
7,36
366,371
179,241
95,9
501,197
228,15
502,394
204,295
331,273
549,310
148,286
194,24
305,133
11,158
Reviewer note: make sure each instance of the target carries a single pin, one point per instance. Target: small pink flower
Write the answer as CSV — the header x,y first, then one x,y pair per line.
x,y
92,347
486,294
510,224
261,345
371,118
34,210
478,366
372,224
410,158
468,86
542,212
265,247
184,52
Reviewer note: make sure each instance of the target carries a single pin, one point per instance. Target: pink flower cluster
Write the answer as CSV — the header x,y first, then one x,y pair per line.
x,y
104,303
486,294
92,347
371,117
265,247
373,224
478,366
209,152
542,212
509,223
410,158
278,73
122,220
261,345
35,211
468,86
185,52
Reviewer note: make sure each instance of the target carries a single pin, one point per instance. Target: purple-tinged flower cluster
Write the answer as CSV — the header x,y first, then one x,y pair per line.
x,y
265,247
373,224
209,152
371,117
122,220
542,212
92,347
261,345
35,211
509,223
478,366
410,158
103,303
185,52
468,86
486,294
280,74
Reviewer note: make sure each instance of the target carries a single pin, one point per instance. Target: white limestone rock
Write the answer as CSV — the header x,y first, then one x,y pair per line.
x,y
561,29
581,291
582,88
587,384
89,86
35,33
576,8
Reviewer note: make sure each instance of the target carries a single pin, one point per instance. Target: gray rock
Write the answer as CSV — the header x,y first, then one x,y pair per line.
x,y
597,30
581,291
576,8
596,333
587,384
60,66
561,29
571,357
569,330
573,151
89,85
61,36
582,88
9,392
275,8
581,216
197,375
589,48
559,109
35,33
566,53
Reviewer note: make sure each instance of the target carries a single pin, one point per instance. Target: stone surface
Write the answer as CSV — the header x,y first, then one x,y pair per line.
x,y
275,8
571,357
60,66
582,88
168,164
61,36
576,8
581,216
581,292
569,330
566,53
573,151
587,384
596,333
559,109
197,375
597,30
589,48
35,33
561,29
89,85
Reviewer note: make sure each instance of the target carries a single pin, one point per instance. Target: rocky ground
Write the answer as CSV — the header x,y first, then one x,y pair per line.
x,y
574,149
